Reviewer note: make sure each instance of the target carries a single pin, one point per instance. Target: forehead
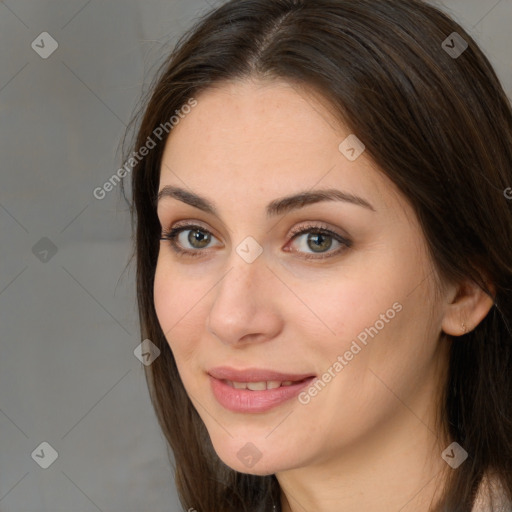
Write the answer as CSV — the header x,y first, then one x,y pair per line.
x,y
257,117
249,138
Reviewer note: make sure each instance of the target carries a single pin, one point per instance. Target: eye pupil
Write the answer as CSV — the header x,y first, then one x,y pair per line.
x,y
196,235
319,242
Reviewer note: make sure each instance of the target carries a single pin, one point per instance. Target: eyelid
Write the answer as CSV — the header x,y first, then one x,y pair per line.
x,y
191,224
319,227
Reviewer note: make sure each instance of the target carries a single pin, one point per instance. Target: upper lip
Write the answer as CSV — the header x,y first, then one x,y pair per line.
x,y
255,375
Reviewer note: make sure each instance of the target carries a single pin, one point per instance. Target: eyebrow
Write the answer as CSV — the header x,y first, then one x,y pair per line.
x,y
276,207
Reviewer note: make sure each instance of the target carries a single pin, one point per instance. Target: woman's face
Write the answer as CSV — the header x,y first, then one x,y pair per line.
x,y
349,301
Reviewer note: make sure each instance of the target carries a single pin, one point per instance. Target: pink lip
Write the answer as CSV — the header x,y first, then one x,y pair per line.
x,y
247,401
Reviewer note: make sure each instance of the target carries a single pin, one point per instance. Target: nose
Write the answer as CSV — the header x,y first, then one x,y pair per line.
x,y
245,307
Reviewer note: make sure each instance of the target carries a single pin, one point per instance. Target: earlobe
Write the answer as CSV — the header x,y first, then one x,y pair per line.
x,y
468,308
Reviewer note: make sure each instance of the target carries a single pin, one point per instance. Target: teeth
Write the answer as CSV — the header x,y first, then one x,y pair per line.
x,y
259,386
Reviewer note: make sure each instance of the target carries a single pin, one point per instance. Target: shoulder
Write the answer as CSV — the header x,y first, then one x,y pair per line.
x,y
491,497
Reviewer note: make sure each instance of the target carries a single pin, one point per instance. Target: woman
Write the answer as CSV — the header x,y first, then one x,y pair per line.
x,y
323,243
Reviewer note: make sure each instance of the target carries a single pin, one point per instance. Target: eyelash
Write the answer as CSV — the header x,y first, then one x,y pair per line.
x,y
171,235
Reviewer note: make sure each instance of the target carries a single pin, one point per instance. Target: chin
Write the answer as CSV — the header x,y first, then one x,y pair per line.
x,y
255,459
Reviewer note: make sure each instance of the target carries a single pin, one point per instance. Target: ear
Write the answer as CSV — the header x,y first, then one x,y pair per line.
x,y
467,307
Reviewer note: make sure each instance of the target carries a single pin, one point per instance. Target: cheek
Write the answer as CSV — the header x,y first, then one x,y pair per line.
x,y
348,307
375,316
387,345
165,292
177,304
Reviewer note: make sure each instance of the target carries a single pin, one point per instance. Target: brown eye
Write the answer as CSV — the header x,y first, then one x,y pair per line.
x,y
188,244
319,242
189,240
199,237
315,242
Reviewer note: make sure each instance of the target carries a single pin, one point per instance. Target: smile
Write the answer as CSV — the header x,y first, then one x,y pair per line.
x,y
249,391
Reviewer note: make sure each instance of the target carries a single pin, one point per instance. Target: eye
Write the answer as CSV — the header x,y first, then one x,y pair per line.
x,y
319,240
190,239
197,238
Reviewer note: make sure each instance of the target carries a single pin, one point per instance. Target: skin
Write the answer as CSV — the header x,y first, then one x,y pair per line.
x,y
369,440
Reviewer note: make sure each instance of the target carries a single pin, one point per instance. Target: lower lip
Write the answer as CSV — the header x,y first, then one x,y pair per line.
x,y
247,401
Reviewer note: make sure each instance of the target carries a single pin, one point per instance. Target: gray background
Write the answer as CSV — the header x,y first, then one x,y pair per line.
x,y
68,328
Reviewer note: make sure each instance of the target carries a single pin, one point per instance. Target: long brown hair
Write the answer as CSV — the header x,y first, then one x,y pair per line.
x,y
439,126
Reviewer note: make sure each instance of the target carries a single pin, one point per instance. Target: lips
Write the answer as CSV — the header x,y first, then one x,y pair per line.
x,y
255,390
